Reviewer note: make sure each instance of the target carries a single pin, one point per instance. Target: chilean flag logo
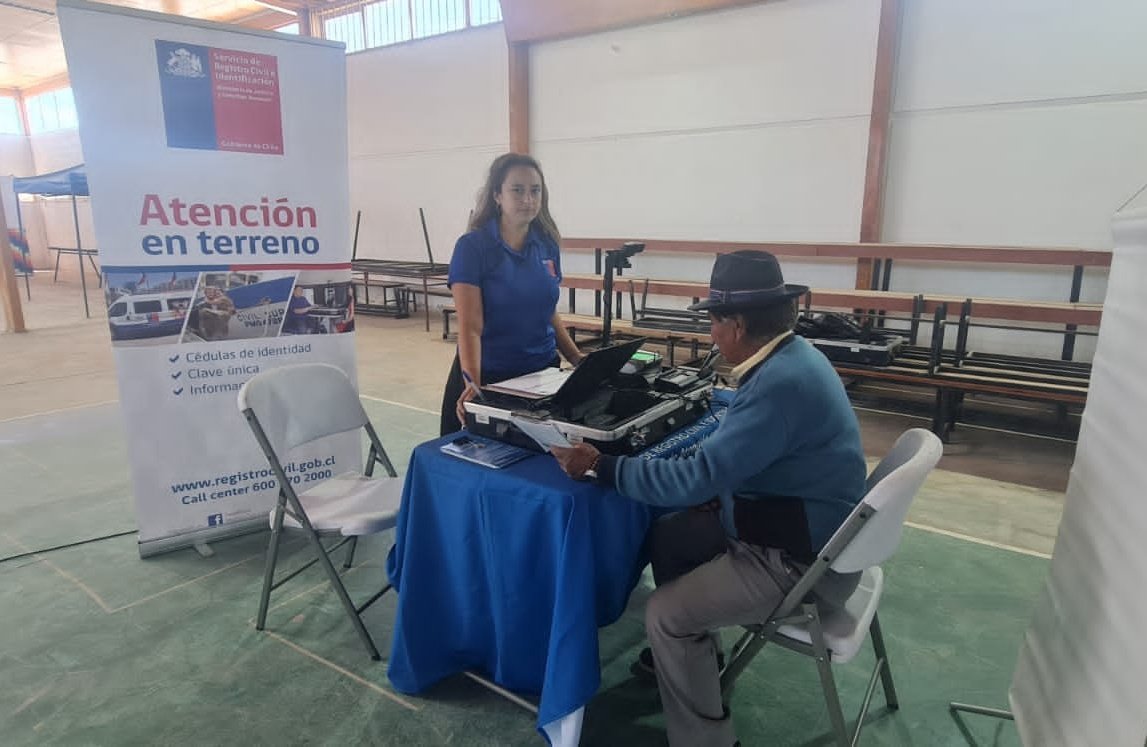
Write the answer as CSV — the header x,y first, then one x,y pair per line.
x,y
549,263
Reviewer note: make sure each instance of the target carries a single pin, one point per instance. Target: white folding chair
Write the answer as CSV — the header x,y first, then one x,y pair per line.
x,y
868,537
294,405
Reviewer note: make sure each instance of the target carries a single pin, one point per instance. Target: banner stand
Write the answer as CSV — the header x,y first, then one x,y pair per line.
x,y
1078,675
217,160
199,537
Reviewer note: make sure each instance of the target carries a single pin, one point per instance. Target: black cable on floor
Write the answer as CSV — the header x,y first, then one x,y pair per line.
x,y
70,544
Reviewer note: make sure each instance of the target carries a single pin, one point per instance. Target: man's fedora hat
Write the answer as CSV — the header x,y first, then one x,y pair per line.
x,y
747,279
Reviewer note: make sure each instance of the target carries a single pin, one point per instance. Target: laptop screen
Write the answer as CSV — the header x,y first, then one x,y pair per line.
x,y
596,369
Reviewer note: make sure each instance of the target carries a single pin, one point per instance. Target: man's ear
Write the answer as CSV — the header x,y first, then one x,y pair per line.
x,y
739,327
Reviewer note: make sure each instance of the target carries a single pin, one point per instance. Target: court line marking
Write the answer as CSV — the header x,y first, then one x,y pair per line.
x,y
60,409
31,699
79,584
977,540
399,404
99,600
188,582
344,671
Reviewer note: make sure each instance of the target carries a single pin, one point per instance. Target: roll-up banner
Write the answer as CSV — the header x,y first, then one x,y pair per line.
x,y
217,160
1079,677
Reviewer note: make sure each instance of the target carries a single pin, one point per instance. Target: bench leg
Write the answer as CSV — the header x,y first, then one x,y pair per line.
x,y
945,413
940,415
446,324
955,410
56,271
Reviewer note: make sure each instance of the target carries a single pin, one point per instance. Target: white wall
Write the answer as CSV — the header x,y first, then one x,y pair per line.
x,y
426,119
15,155
749,124
52,151
1016,123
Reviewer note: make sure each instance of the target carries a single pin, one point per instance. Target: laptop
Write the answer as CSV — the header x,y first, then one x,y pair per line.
x,y
568,387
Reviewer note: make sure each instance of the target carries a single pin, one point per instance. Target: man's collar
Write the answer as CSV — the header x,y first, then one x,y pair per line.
x,y
755,359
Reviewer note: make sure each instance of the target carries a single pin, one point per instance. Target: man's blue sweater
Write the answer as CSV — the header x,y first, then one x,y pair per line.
x,y
790,432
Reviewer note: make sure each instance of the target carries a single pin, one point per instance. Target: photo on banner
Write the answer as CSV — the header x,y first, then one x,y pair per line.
x,y
217,160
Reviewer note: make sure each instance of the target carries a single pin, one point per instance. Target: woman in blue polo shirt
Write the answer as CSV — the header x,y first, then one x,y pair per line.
x,y
504,276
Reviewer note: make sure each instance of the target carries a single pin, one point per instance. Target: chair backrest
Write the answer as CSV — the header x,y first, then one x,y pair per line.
x,y
891,488
299,403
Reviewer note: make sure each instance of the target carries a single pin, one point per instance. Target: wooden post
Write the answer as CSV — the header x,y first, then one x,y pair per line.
x,y
872,210
519,97
305,26
9,291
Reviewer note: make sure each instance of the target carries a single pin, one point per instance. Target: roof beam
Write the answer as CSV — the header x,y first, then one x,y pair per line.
x,y
538,20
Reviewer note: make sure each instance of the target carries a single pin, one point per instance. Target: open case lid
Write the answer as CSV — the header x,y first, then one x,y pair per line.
x,y
596,369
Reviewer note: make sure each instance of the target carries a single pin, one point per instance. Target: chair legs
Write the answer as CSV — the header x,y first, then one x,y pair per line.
x,y
337,584
882,663
332,575
350,552
269,567
755,639
827,681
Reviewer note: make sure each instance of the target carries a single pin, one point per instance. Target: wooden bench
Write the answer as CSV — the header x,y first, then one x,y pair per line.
x,y
624,328
394,298
438,290
447,312
950,372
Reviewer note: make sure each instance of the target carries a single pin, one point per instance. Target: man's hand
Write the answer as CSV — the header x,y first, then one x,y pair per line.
x,y
576,459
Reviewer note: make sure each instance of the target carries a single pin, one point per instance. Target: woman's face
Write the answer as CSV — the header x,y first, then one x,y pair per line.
x,y
520,196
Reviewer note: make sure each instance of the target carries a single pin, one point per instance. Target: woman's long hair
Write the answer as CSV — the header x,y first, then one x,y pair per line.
x,y
486,208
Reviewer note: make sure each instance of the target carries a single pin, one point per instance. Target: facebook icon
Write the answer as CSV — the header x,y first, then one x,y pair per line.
x,y
214,520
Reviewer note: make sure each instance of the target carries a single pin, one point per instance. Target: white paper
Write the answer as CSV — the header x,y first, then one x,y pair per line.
x,y
544,432
533,385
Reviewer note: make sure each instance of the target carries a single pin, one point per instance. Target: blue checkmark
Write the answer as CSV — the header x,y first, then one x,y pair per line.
x,y
177,391
173,358
177,374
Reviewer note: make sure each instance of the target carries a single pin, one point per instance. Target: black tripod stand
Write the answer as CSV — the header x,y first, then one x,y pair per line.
x,y
615,259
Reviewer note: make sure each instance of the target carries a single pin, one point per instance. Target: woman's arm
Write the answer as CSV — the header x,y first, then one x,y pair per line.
x,y
566,345
468,303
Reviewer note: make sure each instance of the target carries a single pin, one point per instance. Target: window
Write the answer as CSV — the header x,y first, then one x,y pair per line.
x,y
147,307
384,22
484,11
290,28
9,116
55,110
432,17
348,29
387,22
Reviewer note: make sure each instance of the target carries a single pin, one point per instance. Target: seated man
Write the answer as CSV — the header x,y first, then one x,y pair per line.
x,y
298,322
769,487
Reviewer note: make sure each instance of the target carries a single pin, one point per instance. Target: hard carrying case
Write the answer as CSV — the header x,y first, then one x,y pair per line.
x,y
615,412
842,340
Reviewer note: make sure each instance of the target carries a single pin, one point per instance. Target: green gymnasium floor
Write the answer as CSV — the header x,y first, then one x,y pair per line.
x,y
98,647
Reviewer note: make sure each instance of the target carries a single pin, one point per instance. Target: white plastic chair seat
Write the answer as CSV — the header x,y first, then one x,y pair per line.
x,y
845,629
351,504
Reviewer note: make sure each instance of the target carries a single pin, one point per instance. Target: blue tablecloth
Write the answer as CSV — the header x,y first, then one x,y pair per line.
x,y
510,572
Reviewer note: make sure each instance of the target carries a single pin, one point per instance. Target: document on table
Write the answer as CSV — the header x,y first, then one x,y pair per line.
x,y
488,453
534,385
544,432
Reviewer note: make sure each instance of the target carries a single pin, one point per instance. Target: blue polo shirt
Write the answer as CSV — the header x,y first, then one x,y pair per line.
x,y
520,292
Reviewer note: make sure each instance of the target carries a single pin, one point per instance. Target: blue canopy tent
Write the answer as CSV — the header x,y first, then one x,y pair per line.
x,y
71,182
